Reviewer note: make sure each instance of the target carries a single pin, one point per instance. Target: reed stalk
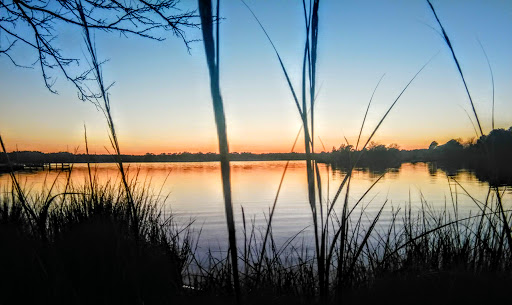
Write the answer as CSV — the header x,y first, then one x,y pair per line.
x,y
506,226
107,111
211,46
459,69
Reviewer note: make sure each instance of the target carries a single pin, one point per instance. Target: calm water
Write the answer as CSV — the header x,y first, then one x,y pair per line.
x,y
193,192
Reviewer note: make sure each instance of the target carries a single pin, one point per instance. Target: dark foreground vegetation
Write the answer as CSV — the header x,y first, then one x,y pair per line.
x,y
85,245
82,247
110,244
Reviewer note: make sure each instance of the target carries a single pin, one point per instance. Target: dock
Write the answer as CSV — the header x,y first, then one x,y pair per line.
x,y
48,165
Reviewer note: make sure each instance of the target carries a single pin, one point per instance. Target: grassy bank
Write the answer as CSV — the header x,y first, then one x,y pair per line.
x,y
110,243
79,246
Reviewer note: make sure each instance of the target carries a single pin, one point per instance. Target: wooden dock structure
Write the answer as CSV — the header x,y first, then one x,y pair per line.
x,y
48,165
63,166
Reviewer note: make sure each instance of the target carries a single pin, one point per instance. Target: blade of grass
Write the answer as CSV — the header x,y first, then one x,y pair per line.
x,y
279,58
211,45
108,115
365,239
21,196
492,80
271,214
367,109
450,46
338,192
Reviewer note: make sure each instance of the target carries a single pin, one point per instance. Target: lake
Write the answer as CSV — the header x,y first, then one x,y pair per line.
x,y
192,191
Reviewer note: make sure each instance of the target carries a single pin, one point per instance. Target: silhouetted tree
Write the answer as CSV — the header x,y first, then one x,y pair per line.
x,y
433,145
394,147
451,145
36,25
374,146
497,145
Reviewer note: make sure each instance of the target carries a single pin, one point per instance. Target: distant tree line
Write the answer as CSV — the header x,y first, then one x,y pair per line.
x,y
489,156
375,156
36,157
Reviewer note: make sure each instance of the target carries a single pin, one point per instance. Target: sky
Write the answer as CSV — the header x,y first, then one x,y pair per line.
x,y
161,99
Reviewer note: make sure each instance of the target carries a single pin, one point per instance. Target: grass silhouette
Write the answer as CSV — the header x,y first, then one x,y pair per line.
x,y
110,243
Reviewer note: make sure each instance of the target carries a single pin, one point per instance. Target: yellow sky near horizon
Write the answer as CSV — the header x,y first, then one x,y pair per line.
x,y
96,146
161,100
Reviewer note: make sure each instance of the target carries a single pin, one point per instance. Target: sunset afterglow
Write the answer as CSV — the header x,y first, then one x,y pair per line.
x,y
161,100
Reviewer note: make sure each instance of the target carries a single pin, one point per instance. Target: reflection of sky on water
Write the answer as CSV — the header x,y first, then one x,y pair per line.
x,y
194,191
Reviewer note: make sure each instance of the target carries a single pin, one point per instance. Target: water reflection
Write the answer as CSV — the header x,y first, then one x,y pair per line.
x,y
194,191
432,168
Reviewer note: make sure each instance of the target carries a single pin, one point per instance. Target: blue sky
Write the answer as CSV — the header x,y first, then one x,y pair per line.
x,y
161,100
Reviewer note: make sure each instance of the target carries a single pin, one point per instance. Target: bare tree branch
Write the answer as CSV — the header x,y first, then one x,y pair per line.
x,y
36,24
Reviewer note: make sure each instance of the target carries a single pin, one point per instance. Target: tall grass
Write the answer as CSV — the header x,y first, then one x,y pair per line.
x,y
456,61
105,107
506,222
88,245
82,249
415,246
211,46
325,243
110,243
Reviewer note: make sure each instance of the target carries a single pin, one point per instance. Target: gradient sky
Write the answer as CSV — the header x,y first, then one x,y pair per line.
x,y
161,100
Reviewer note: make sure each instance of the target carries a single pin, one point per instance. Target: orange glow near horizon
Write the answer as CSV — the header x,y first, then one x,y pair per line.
x,y
159,148
161,101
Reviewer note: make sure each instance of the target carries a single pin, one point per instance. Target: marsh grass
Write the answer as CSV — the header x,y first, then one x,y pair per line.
x,y
417,248
507,232
102,102
110,243
456,61
330,230
211,46
89,254
341,243
82,248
